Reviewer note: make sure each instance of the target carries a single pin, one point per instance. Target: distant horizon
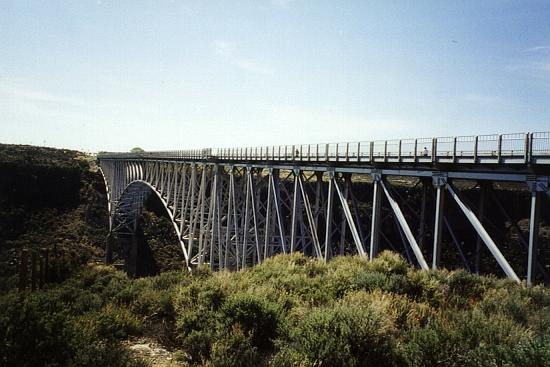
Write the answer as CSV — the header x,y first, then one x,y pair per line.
x,y
105,75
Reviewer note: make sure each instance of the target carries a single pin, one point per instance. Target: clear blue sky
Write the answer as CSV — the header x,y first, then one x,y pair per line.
x,y
110,75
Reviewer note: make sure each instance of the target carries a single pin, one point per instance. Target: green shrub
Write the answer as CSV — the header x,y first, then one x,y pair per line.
x,y
285,265
423,286
153,303
32,332
431,345
207,293
464,287
258,318
286,356
388,262
468,338
86,349
196,306
344,336
397,311
38,330
197,345
111,322
291,275
234,349
388,272
531,352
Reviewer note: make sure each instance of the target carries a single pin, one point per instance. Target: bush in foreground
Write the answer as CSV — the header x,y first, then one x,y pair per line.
x,y
288,311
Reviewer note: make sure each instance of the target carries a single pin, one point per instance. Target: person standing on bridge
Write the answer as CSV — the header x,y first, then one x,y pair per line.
x,y
425,153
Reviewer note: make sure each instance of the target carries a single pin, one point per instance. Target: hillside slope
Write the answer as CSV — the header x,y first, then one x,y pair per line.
x,y
50,198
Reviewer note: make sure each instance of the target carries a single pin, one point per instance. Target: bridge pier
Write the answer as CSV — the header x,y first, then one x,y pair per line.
x,y
439,182
375,219
537,187
328,216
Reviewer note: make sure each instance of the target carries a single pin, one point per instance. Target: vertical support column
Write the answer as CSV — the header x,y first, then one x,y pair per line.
x,y
129,172
318,187
219,206
228,216
232,212
162,172
439,182
192,216
295,204
116,181
245,218
343,219
254,216
375,224
213,215
145,171
268,224
537,188
171,167
277,203
202,209
183,196
534,220
177,172
328,225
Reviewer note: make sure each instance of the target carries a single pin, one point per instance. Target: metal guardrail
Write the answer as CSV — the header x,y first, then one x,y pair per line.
x,y
518,148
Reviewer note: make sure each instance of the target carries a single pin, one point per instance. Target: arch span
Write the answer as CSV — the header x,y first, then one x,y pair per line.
x,y
128,207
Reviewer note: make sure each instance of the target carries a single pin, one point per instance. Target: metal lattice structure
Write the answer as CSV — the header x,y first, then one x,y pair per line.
x,y
233,208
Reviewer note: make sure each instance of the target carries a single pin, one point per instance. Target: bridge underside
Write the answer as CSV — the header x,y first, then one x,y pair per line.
x,y
231,214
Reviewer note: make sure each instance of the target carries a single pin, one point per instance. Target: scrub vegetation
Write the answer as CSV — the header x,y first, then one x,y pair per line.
x,y
289,311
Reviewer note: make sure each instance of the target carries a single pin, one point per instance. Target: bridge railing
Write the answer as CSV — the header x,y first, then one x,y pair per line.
x,y
540,144
495,148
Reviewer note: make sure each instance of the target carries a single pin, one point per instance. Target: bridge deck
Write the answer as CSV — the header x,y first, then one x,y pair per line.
x,y
498,149
505,157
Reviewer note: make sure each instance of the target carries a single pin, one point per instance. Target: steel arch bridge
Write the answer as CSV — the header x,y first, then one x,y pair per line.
x,y
233,208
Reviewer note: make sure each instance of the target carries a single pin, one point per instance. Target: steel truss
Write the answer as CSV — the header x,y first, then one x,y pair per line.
x,y
231,215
